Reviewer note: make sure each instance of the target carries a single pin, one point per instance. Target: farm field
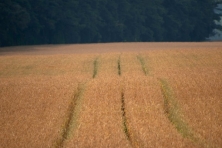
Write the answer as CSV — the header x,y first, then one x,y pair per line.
x,y
111,95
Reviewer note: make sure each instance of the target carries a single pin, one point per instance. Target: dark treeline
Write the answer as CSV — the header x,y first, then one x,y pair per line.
x,y
26,22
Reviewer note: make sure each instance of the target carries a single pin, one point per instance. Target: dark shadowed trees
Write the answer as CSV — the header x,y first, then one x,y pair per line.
x,y
24,22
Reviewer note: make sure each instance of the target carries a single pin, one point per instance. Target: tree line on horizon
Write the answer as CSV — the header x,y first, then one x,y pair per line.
x,y
29,22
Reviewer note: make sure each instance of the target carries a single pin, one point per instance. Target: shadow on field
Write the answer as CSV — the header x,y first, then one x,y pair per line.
x,y
31,50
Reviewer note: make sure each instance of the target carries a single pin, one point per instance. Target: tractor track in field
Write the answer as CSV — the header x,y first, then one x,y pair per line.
x,y
72,115
125,125
172,111
143,64
131,137
95,67
119,65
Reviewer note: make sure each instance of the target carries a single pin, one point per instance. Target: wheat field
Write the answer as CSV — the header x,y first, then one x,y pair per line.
x,y
111,95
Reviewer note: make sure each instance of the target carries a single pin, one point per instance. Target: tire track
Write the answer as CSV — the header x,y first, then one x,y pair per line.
x,y
95,69
119,66
172,111
128,132
72,116
125,126
142,62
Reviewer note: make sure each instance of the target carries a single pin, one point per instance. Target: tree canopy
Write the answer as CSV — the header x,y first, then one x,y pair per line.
x,y
27,22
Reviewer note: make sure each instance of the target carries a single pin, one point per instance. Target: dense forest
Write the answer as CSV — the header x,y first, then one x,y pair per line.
x,y
27,22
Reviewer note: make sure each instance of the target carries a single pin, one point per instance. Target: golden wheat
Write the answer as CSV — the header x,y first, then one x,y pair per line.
x,y
112,95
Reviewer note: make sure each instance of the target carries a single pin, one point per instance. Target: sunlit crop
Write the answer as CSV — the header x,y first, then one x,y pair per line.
x,y
112,95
